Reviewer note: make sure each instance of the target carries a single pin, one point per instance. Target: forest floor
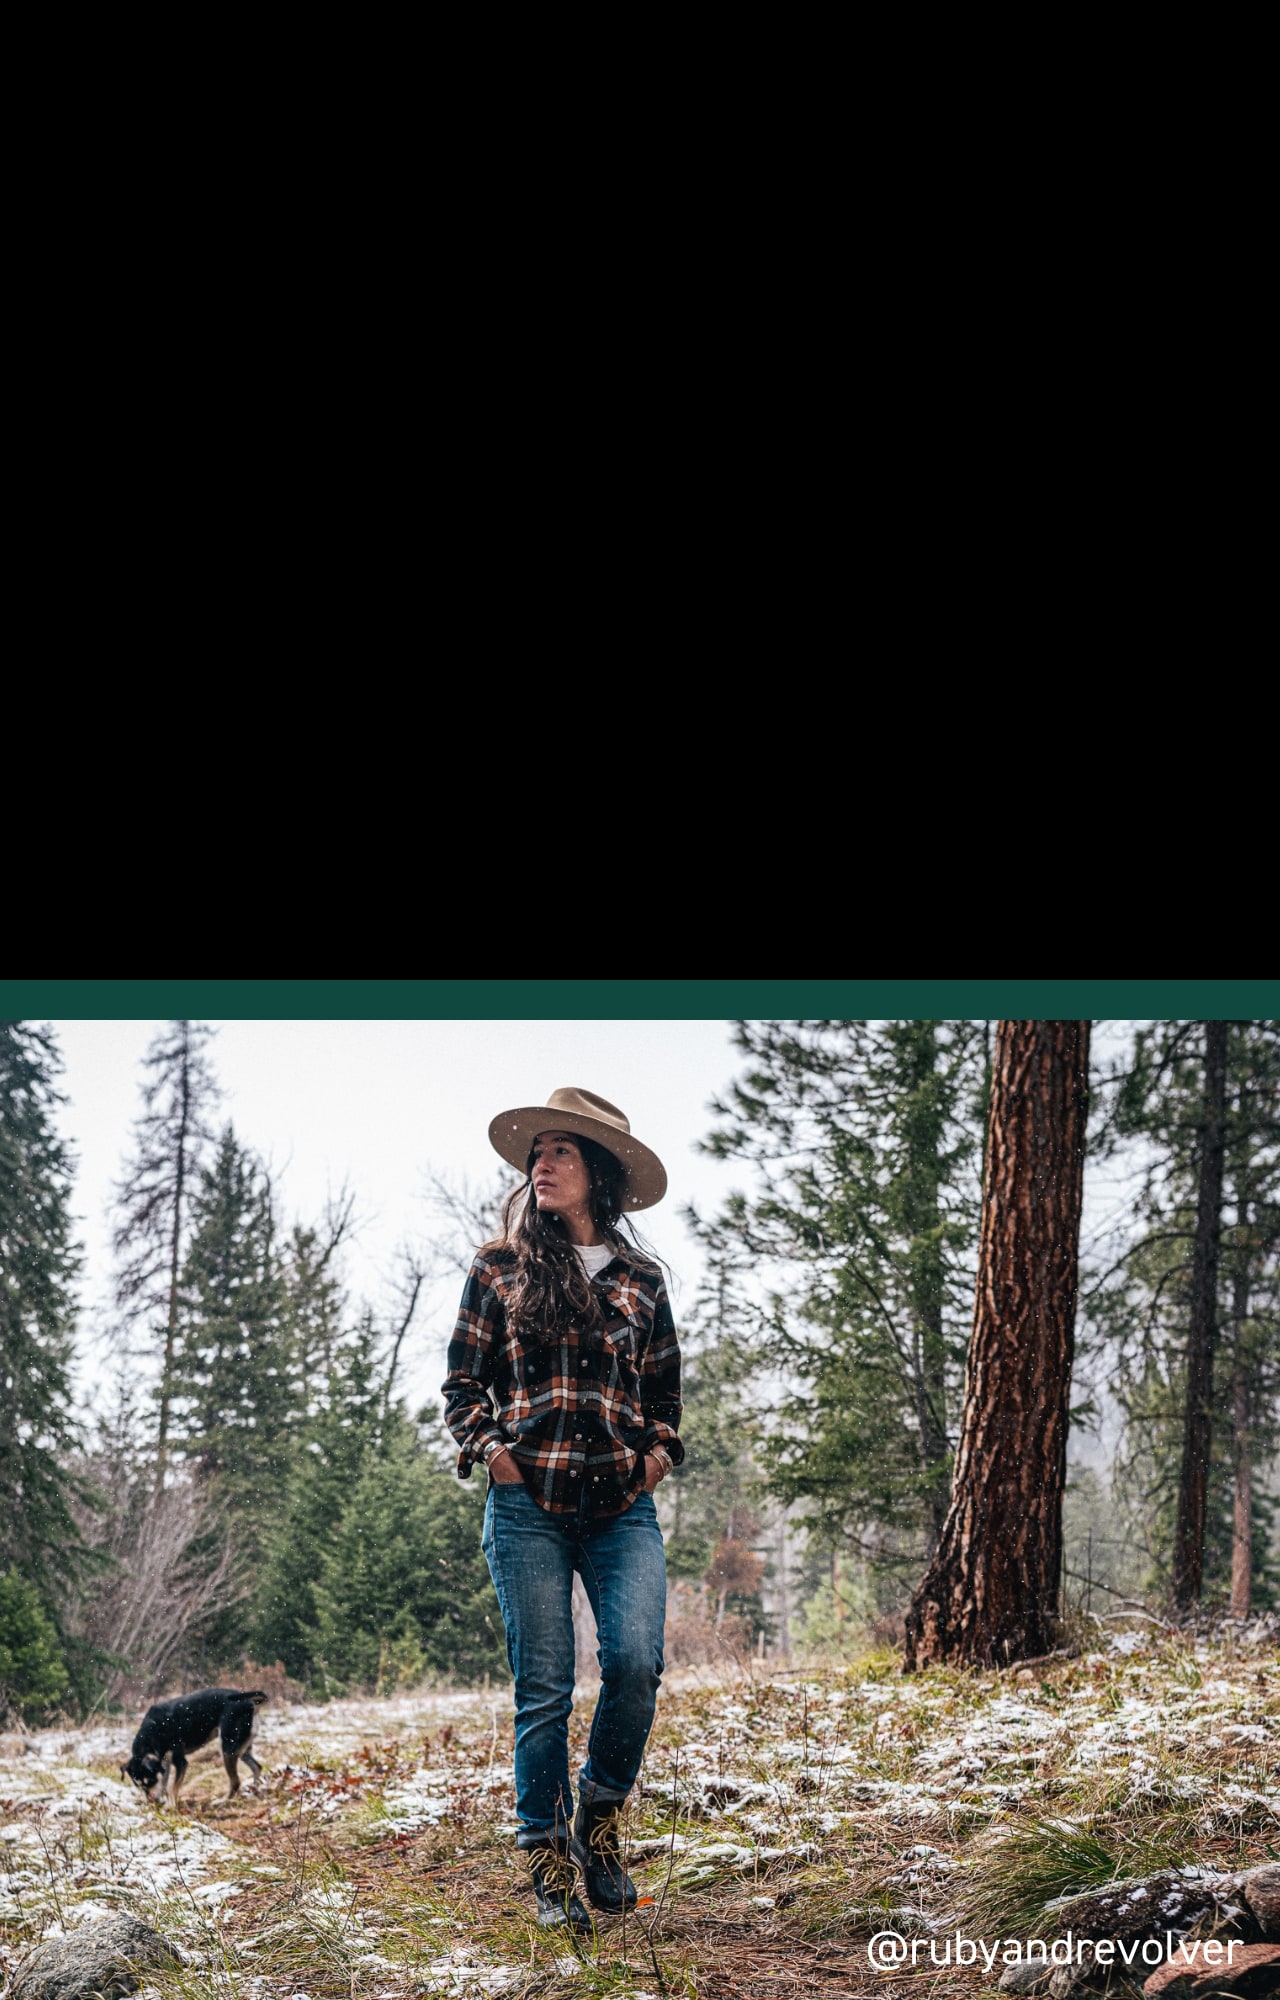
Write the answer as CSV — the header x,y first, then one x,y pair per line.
x,y
784,1817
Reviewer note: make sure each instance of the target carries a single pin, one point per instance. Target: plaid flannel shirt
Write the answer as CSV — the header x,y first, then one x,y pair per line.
x,y
577,1414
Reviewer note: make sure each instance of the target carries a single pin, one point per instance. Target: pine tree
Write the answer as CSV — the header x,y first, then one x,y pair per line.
x,y
33,1673
235,1394
1187,1315
315,1303
1242,1552
171,1142
404,1588
39,1266
339,1435
1250,1387
720,1476
863,1136
991,1591
1202,1332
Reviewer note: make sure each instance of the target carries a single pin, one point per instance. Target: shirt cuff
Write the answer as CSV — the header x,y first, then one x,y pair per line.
x,y
663,1438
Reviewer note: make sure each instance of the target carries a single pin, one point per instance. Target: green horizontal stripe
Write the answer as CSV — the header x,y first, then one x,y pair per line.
x,y
639,999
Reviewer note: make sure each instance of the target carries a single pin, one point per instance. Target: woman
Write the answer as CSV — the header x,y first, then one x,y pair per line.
x,y
564,1382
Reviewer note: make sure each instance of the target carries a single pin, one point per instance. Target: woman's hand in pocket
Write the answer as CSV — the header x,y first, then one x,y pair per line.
x,y
504,1470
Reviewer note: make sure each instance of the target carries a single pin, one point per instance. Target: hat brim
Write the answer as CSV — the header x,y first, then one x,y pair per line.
x,y
512,1133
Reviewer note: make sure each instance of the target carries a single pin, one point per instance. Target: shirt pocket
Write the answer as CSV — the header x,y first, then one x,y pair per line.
x,y
625,1326
622,1346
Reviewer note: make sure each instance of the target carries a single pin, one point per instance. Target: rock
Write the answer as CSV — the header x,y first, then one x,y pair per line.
x,y
100,1961
1253,1972
1175,1900
1034,1977
1028,1976
1149,1906
1260,1888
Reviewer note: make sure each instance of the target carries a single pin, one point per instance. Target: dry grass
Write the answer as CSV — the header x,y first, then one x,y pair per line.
x,y
781,1818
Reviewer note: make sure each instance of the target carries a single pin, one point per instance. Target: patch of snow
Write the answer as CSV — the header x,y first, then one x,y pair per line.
x,y
1126,1642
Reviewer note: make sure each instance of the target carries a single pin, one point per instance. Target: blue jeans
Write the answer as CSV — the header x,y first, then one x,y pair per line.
x,y
532,1556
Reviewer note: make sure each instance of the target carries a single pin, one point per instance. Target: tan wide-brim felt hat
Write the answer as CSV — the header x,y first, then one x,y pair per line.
x,y
512,1134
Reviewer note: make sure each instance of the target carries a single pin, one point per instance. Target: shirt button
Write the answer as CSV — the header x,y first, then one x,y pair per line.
x,y
578,1436
573,1472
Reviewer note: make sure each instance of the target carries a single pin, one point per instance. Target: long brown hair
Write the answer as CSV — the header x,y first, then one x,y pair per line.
x,y
552,1292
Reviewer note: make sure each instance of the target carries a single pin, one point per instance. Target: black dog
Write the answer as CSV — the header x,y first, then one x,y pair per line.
x,y
171,1729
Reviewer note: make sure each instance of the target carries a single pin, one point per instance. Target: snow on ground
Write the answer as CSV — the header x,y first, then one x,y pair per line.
x,y
752,1779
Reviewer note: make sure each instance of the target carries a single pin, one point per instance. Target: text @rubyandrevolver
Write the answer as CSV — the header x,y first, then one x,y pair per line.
x,y
889,1951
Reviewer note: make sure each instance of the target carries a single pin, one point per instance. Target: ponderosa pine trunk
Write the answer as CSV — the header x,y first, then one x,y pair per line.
x,y
1202,1333
1241,1411
990,1592
1242,1509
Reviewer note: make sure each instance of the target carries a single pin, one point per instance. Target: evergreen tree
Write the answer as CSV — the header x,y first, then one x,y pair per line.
x,y
839,1598
172,1139
236,1399
33,1674
863,1136
1202,1329
1187,1314
39,1265
990,1593
404,1588
333,1447
719,1483
315,1304
1242,1550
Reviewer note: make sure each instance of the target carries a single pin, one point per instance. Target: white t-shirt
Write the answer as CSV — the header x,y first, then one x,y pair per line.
x,y
594,1256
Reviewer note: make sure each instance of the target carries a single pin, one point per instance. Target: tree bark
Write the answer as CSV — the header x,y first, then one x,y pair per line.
x,y
990,1592
1242,1521
923,1135
1242,1526
1193,1484
931,1411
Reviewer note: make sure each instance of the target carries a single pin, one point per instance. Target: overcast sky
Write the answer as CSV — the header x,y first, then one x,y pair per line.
x,y
385,1105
